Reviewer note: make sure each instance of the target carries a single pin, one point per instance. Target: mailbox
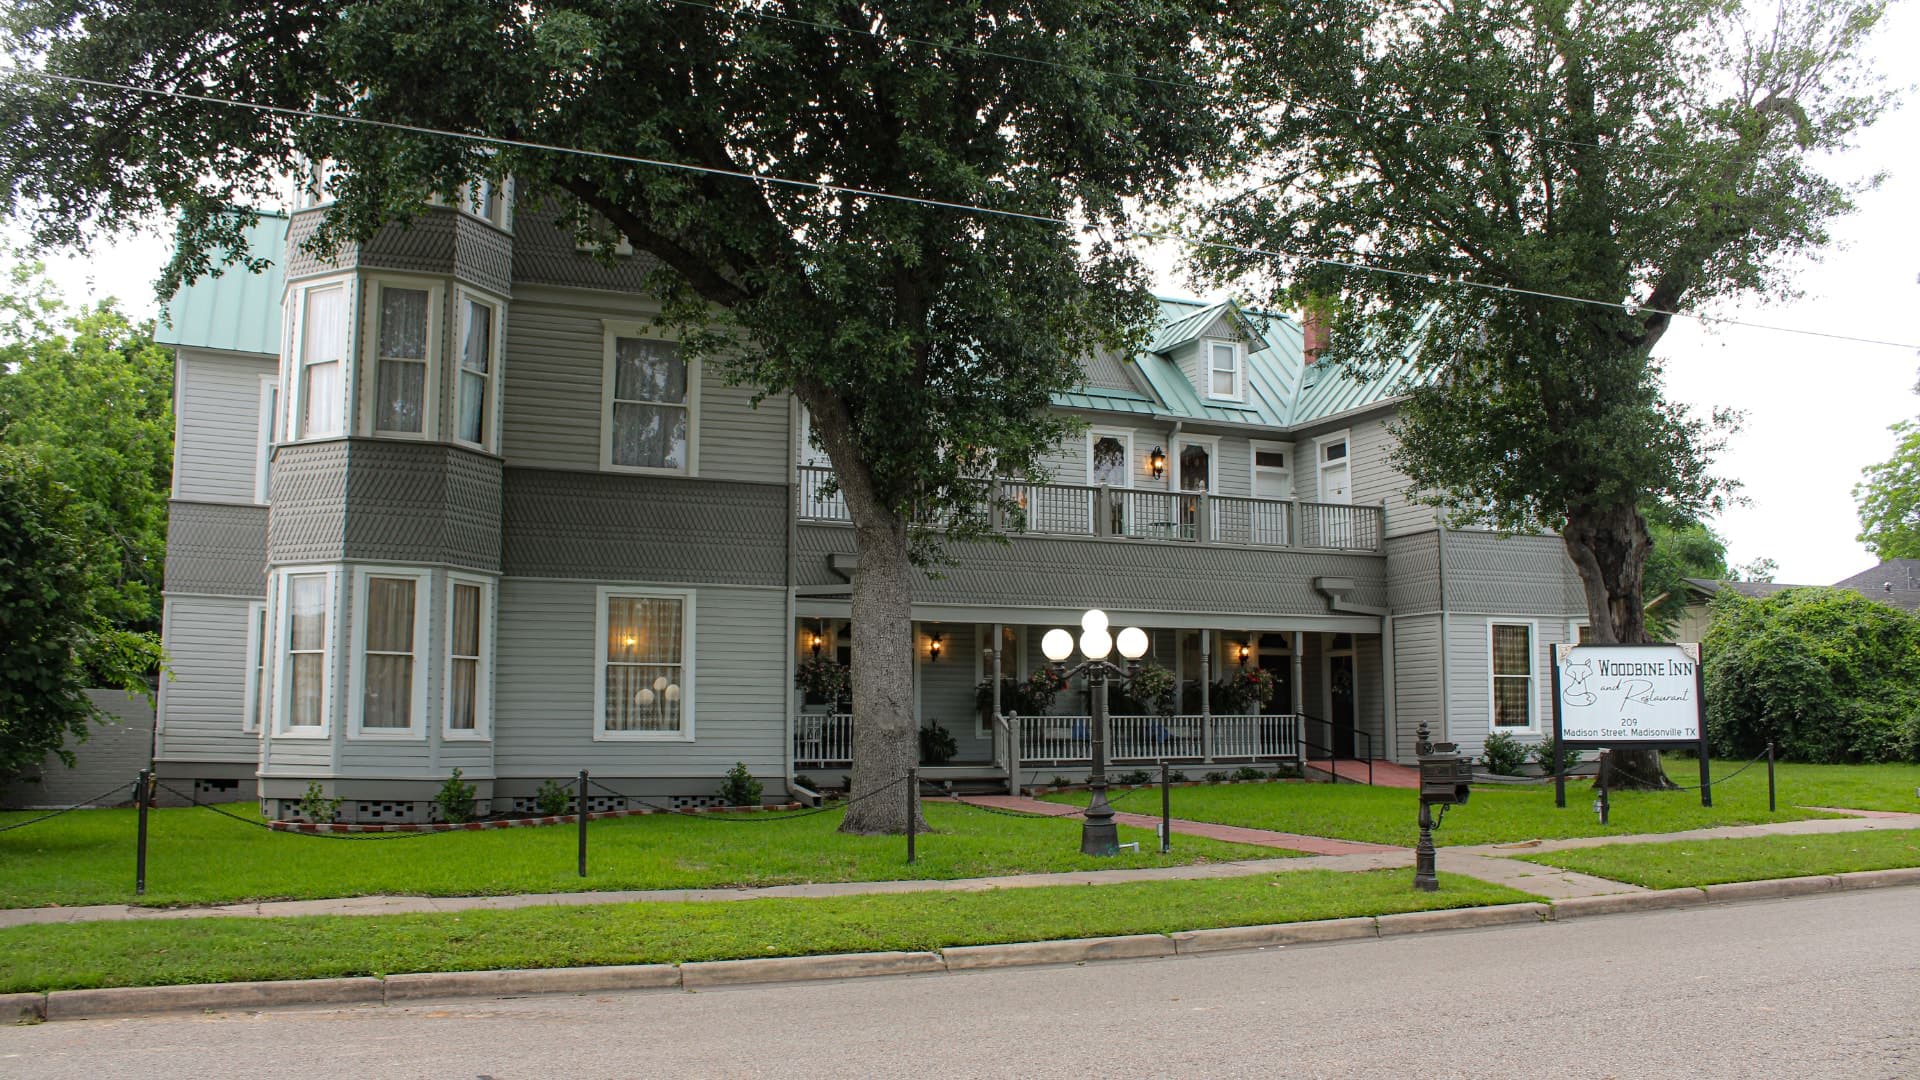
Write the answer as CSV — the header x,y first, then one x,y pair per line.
x,y
1444,776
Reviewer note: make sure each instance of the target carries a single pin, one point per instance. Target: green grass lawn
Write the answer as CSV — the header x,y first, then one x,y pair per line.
x,y
197,856
1710,862
157,952
1505,815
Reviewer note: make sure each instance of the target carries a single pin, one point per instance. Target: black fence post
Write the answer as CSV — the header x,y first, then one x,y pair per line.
x,y
1605,782
1166,807
1771,805
913,789
143,792
582,807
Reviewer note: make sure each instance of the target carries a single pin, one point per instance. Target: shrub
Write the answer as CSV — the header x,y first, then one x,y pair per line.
x,y
316,807
1503,754
1056,780
1175,776
1137,776
1215,777
1287,772
805,781
455,799
552,799
1827,674
1248,772
936,745
1544,754
740,788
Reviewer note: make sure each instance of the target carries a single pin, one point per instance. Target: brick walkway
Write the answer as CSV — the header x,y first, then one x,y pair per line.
x,y
1385,773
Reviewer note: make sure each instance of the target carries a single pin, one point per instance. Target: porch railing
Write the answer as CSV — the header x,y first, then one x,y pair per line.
x,y
1188,516
1066,740
822,740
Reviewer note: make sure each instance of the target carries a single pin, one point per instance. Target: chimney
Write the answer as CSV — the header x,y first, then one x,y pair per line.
x,y
1313,333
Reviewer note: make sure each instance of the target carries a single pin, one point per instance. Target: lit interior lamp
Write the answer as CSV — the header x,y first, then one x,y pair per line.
x,y
1157,462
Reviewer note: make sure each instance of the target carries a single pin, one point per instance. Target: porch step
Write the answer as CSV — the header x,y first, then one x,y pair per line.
x,y
1385,773
981,779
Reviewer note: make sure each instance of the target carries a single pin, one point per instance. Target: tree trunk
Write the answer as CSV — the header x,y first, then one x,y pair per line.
x,y
1609,547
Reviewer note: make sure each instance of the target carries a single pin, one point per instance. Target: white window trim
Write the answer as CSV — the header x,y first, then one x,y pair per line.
x,y
370,357
263,445
1322,465
1207,346
496,368
1176,478
282,658
483,681
474,196
257,640
293,395
1125,435
613,330
1533,676
1254,468
416,729
687,696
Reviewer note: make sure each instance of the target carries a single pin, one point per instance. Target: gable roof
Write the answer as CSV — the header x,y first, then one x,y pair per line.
x,y
235,310
1900,573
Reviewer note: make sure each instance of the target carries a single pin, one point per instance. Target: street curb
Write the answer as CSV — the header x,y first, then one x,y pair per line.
x,y
1275,935
697,975
1070,951
1614,903
135,1000
1420,922
517,981
22,1008
776,969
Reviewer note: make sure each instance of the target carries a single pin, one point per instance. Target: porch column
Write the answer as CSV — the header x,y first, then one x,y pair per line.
x,y
1300,695
993,719
1206,696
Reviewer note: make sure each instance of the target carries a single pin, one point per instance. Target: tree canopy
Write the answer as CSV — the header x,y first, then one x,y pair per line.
x,y
925,341
1443,177
1677,550
1889,499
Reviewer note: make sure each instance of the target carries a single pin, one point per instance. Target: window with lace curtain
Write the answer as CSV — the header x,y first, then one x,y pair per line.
x,y
1512,661
645,689
650,407
469,681
403,360
304,672
389,629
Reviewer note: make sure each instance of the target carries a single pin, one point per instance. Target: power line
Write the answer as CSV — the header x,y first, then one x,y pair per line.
x,y
869,193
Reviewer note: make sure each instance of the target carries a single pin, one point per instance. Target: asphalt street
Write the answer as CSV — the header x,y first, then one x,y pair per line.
x,y
1806,988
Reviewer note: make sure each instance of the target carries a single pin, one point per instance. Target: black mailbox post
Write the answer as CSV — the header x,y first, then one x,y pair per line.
x,y
1444,778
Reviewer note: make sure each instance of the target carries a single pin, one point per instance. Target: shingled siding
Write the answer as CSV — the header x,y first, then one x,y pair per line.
x,y
385,501
1486,572
1413,572
216,426
549,663
216,548
620,527
1126,575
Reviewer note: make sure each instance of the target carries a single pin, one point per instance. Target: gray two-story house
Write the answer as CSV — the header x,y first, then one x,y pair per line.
x,y
450,499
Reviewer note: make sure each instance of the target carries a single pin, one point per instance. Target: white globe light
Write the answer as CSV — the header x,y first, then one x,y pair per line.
x,y
1096,644
673,692
644,697
1057,644
1133,643
1094,621
659,682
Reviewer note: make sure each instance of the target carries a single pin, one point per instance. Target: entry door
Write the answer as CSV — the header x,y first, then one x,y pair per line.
x,y
1340,707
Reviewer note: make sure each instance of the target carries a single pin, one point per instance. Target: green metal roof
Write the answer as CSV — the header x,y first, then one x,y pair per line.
x,y
235,311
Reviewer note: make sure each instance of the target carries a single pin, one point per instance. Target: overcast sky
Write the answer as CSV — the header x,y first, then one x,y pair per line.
x,y
1817,410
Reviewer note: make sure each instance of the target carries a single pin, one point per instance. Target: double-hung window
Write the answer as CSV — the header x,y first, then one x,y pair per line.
x,y
402,380
303,695
1223,370
649,415
323,352
474,392
264,440
257,642
646,671
390,632
1512,662
469,681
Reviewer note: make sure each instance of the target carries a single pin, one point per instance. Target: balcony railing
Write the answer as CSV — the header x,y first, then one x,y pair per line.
x,y
1187,516
825,740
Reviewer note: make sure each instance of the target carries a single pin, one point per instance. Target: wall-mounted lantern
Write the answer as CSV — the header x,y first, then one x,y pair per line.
x,y
1157,462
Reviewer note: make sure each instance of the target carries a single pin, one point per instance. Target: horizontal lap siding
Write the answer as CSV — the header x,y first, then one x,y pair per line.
x,y
1469,665
548,665
947,686
217,426
555,366
1376,481
1369,702
1416,681
203,687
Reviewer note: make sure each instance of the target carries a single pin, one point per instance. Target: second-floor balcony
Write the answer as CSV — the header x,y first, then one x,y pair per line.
x,y
1194,517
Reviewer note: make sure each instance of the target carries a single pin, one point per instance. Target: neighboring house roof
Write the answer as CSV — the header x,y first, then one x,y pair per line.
x,y
1752,590
1899,573
235,311
1904,598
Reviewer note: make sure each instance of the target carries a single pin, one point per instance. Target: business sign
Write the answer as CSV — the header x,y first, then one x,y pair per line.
x,y
1628,694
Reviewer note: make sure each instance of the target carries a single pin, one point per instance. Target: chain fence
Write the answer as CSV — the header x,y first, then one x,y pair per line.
x,y
88,804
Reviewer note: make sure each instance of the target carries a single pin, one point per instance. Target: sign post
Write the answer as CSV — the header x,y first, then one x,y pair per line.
x,y
1641,697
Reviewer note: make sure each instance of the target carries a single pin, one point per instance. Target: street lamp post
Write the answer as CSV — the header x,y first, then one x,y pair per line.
x,y
1098,835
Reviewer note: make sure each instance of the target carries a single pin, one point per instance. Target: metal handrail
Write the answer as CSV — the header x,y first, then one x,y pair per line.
x,y
1333,751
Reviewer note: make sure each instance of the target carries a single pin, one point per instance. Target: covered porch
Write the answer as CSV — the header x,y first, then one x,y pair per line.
x,y
988,710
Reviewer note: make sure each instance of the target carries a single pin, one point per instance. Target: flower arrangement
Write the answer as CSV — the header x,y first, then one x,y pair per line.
x,y
1031,696
1149,690
822,678
1242,690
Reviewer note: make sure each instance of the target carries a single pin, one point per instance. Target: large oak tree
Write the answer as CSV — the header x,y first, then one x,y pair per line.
x,y
925,342
1653,155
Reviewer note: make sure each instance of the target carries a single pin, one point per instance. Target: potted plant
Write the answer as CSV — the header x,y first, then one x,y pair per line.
x,y
822,679
1242,691
1148,691
937,745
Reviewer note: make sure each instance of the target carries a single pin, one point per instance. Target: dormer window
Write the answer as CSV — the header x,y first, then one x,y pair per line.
x,y
1224,365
